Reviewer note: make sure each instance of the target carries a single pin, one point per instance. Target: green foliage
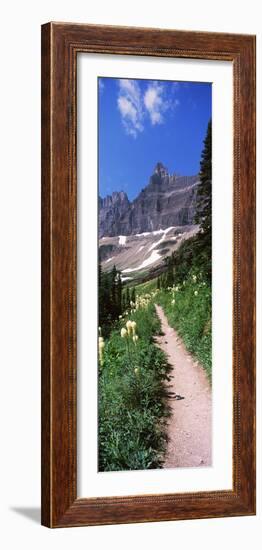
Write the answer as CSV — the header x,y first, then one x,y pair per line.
x,y
110,298
146,287
132,404
133,294
189,310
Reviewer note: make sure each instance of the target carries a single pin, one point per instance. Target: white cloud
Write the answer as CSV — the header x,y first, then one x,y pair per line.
x,y
130,106
154,103
135,106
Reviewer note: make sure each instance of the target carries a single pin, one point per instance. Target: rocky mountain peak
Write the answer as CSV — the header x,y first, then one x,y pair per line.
x,y
160,170
117,198
166,201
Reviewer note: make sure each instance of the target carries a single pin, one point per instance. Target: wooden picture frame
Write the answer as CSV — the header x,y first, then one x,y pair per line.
x,y
61,42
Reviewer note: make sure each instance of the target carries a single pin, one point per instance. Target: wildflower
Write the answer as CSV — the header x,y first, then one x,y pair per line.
x,y
184,282
123,333
133,325
119,316
99,331
176,288
135,338
129,327
173,302
196,293
136,370
101,347
194,278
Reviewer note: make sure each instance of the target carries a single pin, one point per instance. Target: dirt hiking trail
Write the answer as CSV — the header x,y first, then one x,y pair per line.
x,y
190,424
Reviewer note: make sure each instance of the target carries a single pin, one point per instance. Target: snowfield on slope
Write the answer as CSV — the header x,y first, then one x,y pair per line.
x,y
144,251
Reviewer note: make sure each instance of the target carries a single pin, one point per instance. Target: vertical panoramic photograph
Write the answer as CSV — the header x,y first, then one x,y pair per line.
x,y
154,274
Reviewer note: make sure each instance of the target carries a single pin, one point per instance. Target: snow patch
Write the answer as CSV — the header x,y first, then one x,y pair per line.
x,y
143,234
151,260
126,278
122,240
164,231
109,260
157,232
141,247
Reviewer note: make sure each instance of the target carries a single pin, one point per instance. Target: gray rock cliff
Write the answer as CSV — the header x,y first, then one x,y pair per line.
x,y
168,200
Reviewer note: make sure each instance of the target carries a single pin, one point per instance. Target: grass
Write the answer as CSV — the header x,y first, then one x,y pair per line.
x,y
147,287
132,404
191,315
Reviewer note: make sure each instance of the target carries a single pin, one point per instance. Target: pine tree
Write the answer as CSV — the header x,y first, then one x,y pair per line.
x,y
203,215
113,278
204,195
133,294
118,294
123,301
127,298
170,272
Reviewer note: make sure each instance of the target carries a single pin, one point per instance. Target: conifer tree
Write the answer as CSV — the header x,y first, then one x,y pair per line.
x,y
118,294
169,275
123,301
204,205
127,298
133,294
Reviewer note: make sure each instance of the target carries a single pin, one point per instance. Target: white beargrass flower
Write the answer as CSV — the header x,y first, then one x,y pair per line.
x,y
129,327
173,302
101,347
135,338
136,370
101,344
133,325
196,293
123,333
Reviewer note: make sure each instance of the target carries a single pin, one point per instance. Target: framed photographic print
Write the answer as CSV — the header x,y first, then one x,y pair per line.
x,y
148,275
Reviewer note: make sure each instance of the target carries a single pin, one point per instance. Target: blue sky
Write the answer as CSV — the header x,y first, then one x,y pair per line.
x,y
142,122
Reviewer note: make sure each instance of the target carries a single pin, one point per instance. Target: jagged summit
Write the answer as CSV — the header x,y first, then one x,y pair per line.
x,y
167,200
117,197
160,170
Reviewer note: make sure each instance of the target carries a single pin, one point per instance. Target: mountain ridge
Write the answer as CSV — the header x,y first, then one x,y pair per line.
x,y
167,200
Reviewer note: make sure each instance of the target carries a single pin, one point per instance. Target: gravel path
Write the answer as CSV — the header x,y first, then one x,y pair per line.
x,y
190,424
